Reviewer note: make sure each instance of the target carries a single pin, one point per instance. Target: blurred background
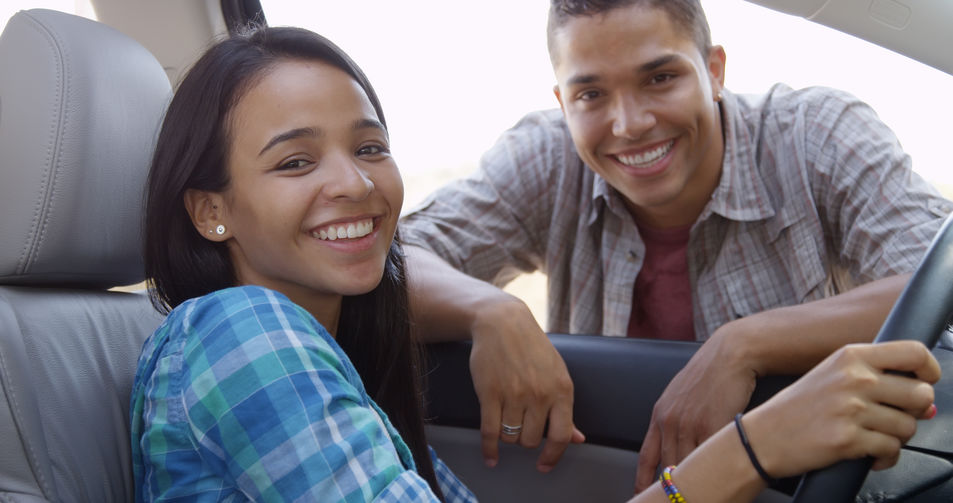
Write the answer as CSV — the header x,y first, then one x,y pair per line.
x,y
453,75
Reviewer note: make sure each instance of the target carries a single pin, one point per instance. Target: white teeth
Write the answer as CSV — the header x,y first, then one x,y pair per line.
x,y
646,158
351,230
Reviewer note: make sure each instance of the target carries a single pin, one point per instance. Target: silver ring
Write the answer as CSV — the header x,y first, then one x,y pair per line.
x,y
511,430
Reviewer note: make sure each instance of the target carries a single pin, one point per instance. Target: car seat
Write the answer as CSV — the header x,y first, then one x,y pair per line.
x,y
80,107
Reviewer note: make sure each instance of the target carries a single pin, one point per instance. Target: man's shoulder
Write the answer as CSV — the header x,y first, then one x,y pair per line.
x,y
538,145
551,117
782,99
542,124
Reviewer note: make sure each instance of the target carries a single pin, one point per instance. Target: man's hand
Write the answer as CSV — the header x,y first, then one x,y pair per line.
x,y
519,378
713,387
521,381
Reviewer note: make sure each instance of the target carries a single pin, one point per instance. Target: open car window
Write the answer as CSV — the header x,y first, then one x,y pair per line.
x,y
454,75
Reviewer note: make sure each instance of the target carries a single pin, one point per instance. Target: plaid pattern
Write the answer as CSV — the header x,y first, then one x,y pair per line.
x,y
816,196
242,395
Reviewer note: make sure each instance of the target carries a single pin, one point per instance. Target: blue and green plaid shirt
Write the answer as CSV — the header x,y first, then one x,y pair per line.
x,y
242,395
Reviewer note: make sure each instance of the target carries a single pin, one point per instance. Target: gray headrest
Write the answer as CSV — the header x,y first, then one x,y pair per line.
x,y
80,108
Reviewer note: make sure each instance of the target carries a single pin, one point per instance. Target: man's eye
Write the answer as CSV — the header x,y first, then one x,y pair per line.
x,y
372,150
588,95
662,78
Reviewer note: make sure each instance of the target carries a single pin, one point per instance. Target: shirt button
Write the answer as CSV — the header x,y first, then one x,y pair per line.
x,y
632,256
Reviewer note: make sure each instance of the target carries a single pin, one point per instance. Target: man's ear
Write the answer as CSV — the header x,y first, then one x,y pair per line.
x,y
716,69
559,97
206,209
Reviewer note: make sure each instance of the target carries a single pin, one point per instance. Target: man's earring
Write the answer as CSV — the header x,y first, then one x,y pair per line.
x,y
718,98
219,230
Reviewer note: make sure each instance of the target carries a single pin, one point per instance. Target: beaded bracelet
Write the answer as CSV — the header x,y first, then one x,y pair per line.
x,y
754,460
674,495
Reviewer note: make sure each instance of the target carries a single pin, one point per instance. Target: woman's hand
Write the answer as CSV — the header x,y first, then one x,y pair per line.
x,y
847,407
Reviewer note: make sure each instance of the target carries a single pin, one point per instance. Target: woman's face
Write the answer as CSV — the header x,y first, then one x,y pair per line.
x,y
314,195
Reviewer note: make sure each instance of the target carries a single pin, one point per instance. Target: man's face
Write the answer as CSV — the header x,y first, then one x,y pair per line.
x,y
641,104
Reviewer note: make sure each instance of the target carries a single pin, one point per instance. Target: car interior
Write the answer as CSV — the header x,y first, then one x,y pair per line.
x,y
79,117
78,121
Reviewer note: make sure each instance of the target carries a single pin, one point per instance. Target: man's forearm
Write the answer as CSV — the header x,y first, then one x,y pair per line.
x,y
791,340
444,302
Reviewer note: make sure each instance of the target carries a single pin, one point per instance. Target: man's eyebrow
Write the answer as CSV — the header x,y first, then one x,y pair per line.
x,y
580,80
643,68
289,135
657,63
368,124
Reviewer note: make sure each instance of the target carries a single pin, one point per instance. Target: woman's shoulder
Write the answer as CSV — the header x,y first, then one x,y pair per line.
x,y
223,308
234,298
249,317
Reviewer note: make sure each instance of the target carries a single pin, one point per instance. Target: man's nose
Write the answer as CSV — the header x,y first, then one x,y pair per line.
x,y
631,117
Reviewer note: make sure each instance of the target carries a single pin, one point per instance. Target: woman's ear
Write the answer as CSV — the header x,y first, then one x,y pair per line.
x,y
206,209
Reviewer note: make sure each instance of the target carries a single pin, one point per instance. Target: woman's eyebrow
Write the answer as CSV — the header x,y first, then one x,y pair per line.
x,y
290,135
315,133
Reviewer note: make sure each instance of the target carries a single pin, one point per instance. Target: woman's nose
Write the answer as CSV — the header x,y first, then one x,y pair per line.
x,y
347,179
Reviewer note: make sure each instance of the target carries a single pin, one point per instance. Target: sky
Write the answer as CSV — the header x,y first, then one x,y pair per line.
x,y
453,75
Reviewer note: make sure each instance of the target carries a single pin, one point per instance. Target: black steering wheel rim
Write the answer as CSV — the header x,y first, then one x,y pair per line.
x,y
922,312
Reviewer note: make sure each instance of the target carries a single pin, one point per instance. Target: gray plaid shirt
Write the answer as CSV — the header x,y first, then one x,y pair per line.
x,y
816,196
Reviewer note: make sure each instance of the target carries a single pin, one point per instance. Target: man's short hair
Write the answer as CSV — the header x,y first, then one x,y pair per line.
x,y
686,14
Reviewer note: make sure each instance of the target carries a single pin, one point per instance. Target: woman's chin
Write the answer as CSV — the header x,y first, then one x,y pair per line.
x,y
360,284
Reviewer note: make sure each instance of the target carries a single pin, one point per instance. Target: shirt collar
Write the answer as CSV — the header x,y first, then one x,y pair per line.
x,y
741,194
603,195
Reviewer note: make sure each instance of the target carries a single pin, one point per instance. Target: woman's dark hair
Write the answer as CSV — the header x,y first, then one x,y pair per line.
x,y
192,153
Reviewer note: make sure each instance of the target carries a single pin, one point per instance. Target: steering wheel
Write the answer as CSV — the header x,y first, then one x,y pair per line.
x,y
922,313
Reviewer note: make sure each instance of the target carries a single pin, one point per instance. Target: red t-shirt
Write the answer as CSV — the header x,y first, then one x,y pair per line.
x,y
662,296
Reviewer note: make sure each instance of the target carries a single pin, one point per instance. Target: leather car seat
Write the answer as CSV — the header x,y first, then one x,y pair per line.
x,y
80,107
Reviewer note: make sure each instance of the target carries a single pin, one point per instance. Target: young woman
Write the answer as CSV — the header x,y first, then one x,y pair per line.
x,y
286,369
272,204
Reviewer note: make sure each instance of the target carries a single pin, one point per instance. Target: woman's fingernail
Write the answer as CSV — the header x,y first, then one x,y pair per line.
x,y
931,412
490,463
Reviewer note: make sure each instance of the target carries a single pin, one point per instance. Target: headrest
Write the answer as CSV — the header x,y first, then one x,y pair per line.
x,y
80,108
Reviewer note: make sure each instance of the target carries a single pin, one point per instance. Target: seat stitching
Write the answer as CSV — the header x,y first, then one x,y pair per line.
x,y
40,219
44,203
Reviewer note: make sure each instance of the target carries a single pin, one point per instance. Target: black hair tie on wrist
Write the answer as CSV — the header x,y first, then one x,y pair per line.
x,y
747,445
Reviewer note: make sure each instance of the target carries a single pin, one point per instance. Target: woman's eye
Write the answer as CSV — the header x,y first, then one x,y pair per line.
x,y
293,164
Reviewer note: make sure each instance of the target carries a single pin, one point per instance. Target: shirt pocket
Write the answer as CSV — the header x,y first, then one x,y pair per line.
x,y
787,271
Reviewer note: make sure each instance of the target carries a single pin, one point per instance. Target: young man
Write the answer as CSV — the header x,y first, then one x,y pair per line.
x,y
776,228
